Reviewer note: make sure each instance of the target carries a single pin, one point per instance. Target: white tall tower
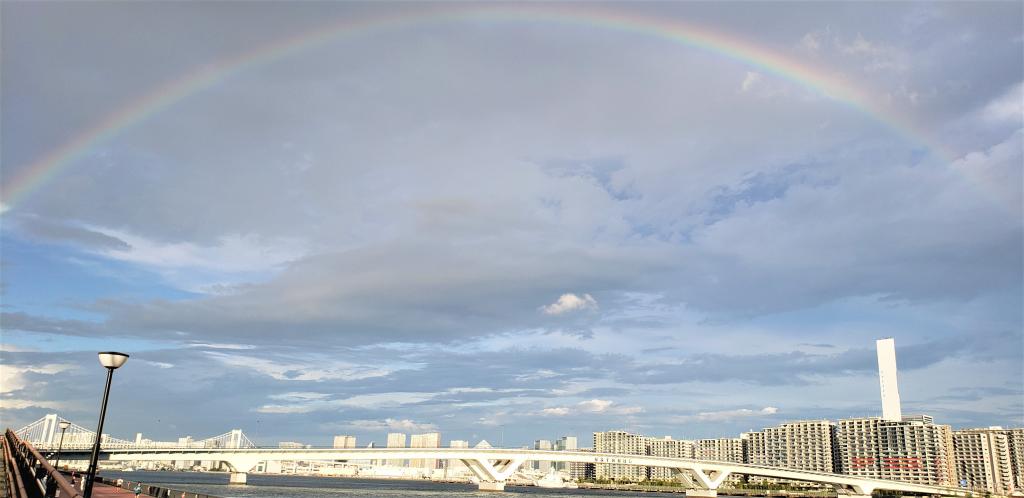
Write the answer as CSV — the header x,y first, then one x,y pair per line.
x,y
887,378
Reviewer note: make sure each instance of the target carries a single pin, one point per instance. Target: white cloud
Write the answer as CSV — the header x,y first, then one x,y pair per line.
x,y
537,375
560,411
595,405
392,424
1008,107
875,56
21,404
750,80
316,369
461,390
601,406
299,396
996,171
12,377
158,364
220,346
224,268
570,302
629,410
859,45
811,42
306,402
724,415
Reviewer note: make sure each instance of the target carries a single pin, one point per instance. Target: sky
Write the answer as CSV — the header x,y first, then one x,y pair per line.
x,y
509,221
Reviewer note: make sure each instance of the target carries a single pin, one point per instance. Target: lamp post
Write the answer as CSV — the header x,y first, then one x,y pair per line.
x,y
64,424
111,361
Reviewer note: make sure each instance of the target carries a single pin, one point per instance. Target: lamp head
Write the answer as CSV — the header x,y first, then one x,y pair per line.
x,y
112,360
64,424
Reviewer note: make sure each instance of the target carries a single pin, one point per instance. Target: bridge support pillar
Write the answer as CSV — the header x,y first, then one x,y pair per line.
x,y
701,493
237,478
492,486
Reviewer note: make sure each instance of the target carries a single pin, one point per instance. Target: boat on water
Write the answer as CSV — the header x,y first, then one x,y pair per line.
x,y
554,479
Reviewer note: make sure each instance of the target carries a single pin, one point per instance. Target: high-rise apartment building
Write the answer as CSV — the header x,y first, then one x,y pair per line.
x,y
344,441
984,460
669,448
636,444
913,450
803,445
396,440
754,451
428,440
622,443
719,450
1017,456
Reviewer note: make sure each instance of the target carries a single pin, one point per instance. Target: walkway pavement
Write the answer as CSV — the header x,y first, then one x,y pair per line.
x,y
100,489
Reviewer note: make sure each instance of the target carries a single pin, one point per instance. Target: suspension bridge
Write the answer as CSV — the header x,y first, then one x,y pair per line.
x,y
45,434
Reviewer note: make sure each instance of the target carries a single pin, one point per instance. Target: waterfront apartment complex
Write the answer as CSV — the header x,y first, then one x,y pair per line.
x,y
912,450
667,447
620,442
723,449
990,460
804,445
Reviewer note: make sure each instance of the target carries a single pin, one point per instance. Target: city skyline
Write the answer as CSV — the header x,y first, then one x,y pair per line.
x,y
686,219
890,408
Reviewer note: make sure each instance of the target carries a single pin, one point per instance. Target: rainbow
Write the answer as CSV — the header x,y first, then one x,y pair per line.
x,y
830,85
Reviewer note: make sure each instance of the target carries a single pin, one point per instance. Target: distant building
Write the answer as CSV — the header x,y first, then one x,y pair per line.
x,y
396,440
291,445
344,442
428,440
567,443
457,467
588,470
542,465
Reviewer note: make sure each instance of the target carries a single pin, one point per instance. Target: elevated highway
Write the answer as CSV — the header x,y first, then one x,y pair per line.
x,y
493,466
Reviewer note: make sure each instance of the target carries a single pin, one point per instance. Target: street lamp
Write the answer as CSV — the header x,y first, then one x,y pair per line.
x,y
111,361
64,424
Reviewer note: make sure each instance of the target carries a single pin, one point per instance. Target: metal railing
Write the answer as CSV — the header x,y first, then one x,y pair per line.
x,y
30,475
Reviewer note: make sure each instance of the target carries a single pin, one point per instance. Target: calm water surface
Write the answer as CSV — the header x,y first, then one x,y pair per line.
x,y
266,486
